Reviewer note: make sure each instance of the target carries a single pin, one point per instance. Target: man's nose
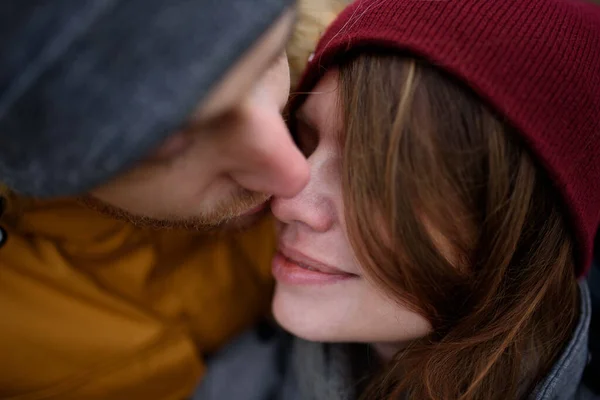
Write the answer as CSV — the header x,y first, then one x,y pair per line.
x,y
267,160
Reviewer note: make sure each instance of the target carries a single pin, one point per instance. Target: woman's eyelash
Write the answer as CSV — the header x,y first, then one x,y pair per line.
x,y
306,136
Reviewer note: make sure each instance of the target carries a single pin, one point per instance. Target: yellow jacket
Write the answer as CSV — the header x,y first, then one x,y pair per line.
x,y
94,308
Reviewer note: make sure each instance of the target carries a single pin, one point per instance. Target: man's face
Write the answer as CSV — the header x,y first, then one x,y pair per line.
x,y
234,153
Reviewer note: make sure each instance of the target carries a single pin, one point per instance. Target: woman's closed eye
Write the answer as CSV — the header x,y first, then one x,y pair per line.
x,y
306,135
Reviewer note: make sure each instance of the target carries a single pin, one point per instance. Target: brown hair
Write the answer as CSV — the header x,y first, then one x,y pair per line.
x,y
429,155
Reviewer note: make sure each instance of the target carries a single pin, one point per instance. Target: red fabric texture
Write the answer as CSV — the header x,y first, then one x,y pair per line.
x,y
537,62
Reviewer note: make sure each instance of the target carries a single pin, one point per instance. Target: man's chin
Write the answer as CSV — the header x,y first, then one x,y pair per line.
x,y
215,222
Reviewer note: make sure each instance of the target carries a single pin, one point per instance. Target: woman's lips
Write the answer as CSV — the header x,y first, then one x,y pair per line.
x,y
298,270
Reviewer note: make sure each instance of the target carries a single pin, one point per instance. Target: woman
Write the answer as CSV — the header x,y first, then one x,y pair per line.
x,y
454,197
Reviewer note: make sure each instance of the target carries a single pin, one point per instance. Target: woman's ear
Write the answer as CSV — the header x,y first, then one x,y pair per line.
x,y
314,16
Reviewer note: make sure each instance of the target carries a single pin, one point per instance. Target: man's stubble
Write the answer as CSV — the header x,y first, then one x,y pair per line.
x,y
226,215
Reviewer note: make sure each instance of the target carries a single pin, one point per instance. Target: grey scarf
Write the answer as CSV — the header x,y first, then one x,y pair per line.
x,y
320,371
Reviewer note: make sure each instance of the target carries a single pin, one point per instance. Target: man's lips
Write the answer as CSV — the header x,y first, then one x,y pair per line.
x,y
255,210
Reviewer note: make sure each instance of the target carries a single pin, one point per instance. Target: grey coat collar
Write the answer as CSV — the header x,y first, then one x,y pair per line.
x,y
564,380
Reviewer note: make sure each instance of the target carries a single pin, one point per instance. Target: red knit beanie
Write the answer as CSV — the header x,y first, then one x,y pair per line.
x,y
537,62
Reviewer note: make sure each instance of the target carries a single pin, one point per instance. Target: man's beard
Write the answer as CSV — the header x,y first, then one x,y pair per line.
x,y
226,215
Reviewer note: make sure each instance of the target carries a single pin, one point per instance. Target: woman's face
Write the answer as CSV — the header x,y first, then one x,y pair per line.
x,y
322,293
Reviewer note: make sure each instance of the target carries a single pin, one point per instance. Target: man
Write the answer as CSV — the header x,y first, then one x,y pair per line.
x,y
117,117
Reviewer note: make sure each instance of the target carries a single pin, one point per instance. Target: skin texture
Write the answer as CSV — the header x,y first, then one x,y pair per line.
x,y
234,153
312,223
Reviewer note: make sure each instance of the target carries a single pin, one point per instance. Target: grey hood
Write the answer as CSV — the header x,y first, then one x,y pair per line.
x,y
88,87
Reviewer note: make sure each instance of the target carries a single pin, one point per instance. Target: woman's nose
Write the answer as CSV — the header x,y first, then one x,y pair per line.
x,y
311,207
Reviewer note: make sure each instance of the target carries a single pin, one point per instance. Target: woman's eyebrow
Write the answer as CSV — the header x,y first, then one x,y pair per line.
x,y
302,117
